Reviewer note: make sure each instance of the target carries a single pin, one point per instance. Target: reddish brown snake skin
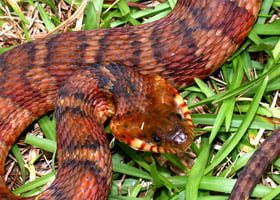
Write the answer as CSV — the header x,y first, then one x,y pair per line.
x,y
89,76
255,167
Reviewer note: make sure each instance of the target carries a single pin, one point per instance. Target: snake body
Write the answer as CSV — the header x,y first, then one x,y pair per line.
x,y
255,167
127,73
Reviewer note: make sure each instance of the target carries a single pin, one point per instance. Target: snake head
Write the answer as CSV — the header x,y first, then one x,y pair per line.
x,y
163,126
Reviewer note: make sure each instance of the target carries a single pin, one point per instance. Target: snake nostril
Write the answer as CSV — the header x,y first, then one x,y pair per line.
x,y
180,136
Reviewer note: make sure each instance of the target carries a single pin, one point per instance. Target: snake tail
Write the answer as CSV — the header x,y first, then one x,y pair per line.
x,y
256,166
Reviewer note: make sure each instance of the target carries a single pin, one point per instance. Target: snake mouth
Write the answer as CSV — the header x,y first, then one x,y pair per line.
x,y
142,145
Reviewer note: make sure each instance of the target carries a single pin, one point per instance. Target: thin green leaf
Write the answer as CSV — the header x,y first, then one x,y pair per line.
x,y
129,170
45,17
34,184
47,145
15,150
48,127
196,173
123,7
234,139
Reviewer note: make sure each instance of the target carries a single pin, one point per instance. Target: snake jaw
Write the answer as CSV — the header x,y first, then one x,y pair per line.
x,y
142,145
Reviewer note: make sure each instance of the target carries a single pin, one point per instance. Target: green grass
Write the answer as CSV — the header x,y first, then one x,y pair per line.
x,y
230,109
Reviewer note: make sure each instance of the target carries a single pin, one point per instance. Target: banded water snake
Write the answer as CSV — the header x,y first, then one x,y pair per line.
x,y
195,39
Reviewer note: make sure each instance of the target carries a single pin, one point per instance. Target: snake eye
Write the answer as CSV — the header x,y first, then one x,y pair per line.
x,y
179,116
156,139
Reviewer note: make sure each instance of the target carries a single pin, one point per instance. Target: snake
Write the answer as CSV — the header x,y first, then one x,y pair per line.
x,y
128,75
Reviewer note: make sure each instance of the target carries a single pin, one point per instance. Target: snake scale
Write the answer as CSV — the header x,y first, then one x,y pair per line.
x,y
127,74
